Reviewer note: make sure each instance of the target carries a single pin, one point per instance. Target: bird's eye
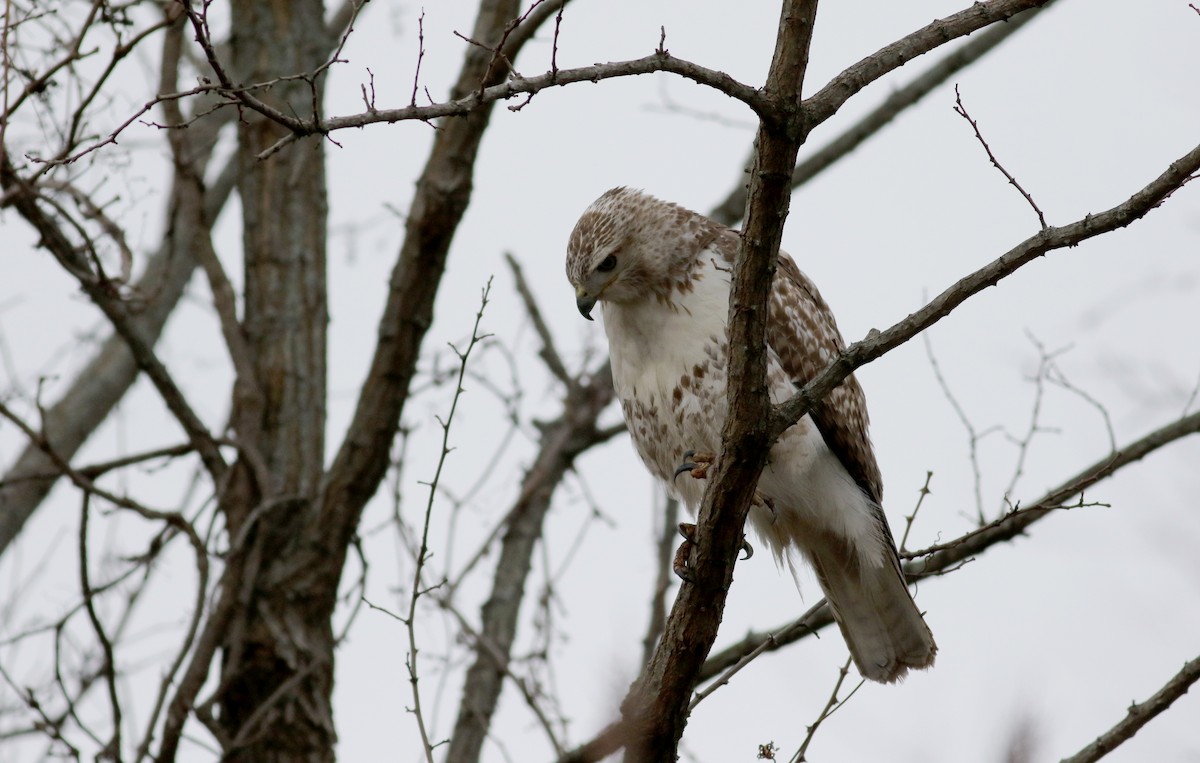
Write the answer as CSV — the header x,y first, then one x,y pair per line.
x,y
607,264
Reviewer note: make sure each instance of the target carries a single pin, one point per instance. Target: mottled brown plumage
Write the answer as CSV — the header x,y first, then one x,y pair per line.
x,y
661,274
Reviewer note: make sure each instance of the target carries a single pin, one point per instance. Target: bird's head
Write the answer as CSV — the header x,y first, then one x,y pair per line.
x,y
628,246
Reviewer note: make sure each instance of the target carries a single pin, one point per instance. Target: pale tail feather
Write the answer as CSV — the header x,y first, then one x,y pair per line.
x,y
878,617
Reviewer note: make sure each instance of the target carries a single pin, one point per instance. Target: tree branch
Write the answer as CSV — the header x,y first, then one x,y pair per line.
x,y
561,442
733,207
515,85
656,708
945,556
1139,715
826,102
877,343
442,195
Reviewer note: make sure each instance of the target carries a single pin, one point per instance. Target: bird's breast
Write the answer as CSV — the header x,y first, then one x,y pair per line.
x,y
669,368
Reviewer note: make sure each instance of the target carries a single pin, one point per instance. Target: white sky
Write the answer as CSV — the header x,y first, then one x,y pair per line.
x,y
1060,630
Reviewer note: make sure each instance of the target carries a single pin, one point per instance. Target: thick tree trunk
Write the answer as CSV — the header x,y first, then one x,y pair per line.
x,y
278,653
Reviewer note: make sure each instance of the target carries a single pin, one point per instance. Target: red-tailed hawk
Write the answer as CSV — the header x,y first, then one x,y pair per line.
x,y
662,274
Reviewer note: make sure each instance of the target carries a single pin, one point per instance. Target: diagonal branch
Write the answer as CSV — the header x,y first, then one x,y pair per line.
x,y
877,343
548,353
945,556
24,197
103,382
442,196
733,206
656,709
561,443
1139,715
826,102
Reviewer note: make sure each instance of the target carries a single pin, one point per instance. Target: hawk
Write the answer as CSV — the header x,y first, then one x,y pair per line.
x,y
661,274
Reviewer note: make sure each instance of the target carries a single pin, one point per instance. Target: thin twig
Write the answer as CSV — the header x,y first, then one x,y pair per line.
x,y
771,641
733,206
108,665
831,707
908,520
664,552
418,588
961,110
503,664
548,353
973,435
420,56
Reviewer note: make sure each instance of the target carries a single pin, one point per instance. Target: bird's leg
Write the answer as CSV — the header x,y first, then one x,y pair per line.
x,y
761,500
682,564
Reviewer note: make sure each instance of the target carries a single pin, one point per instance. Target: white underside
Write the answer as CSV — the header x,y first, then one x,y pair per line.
x,y
653,346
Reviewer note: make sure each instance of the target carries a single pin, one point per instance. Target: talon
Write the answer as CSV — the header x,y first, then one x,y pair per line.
x,y
696,464
681,565
761,500
748,549
686,466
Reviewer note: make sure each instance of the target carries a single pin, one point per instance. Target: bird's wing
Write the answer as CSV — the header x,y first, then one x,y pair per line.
x,y
802,332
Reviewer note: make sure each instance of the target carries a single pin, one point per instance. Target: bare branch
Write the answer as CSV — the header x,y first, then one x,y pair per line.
x,y
831,706
109,664
945,556
961,110
561,442
548,353
664,552
25,199
908,520
418,585
733,207
826,102
656,708
1139,715
516,85
879,342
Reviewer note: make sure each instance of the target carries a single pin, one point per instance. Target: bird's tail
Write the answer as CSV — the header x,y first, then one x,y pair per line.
x,y
876,613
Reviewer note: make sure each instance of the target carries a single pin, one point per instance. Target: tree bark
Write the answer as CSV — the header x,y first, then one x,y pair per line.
x,y
277,673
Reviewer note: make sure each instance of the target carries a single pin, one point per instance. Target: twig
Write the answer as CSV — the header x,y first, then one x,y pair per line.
x,y
418,589
664,551
1055,376
1178,174
554,46
548,353
831,707
502,663
108,666
1045,360
973,436
961,110
733,207
771,641
56,241
420,56
1139,715
908,520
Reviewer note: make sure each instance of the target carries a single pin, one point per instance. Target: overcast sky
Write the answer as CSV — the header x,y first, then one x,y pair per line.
x,y
1057,632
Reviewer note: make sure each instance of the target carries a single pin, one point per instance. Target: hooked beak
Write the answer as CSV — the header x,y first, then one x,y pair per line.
x,y
584,302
